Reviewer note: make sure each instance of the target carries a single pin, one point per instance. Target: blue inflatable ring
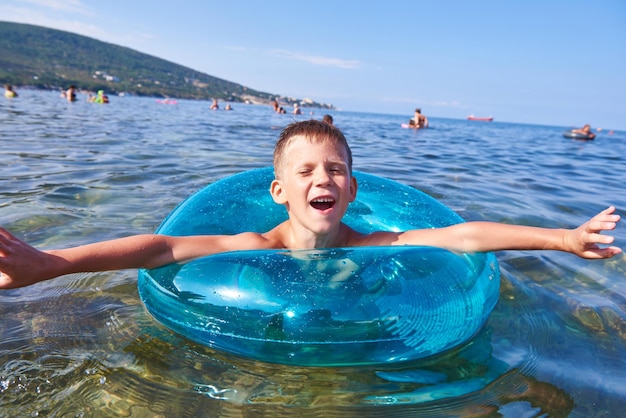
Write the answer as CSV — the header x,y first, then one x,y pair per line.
x,y
326,307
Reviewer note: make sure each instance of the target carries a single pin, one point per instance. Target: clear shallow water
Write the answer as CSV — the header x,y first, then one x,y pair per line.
x,y
83,345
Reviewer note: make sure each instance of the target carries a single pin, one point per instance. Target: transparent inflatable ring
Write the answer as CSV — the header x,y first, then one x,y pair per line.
x,y
326,307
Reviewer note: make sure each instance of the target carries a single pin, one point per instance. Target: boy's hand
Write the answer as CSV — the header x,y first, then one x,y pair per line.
x,y
583,241
20,264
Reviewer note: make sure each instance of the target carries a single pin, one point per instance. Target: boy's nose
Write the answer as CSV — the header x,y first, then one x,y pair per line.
x,y
322,177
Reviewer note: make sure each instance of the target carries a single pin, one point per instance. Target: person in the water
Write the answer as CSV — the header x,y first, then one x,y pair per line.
x,y
313,180
9,93
585,130
418,120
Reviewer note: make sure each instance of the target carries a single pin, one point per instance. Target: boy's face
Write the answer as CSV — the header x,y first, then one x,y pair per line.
x,y
315,184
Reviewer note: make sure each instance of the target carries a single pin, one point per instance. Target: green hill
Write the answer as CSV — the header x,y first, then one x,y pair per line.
x,y
53,59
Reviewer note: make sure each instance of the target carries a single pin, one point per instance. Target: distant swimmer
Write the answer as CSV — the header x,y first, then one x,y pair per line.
x,y
100,98
583,133
228,107
70,93
9,93
418,121
214,105
296,109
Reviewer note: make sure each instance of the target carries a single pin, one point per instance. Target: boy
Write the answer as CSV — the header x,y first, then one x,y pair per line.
x,y
313,168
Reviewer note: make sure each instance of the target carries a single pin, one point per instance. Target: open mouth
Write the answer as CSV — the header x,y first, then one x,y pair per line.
x,y
323,203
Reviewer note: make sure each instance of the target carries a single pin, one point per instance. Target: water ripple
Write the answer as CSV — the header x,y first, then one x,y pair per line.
x,y
83,345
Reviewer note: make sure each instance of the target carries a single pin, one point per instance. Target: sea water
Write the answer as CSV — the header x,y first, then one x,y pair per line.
x,y
84,345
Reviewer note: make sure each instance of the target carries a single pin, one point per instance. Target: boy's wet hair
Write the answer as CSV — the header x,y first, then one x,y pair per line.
x,y
313,130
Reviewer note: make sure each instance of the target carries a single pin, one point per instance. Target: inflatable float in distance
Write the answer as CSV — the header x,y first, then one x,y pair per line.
x,y
579,135
326,307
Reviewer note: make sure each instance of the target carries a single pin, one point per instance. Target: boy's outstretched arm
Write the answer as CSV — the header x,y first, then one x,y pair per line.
x,y
22,265
583,241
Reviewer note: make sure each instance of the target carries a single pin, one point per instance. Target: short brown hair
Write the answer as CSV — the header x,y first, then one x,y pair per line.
x,y
314,131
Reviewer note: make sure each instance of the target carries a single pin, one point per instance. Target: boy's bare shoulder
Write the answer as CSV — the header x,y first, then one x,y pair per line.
x,y
272,239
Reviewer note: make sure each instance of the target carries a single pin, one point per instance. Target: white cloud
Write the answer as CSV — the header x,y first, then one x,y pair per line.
x,y
316,60
73,6
57,19
70,16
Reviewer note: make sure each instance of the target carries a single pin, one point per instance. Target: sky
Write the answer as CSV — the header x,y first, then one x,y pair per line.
x,y
555,62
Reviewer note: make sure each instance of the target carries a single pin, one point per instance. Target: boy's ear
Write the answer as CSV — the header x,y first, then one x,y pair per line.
x,y
277,192
353,188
